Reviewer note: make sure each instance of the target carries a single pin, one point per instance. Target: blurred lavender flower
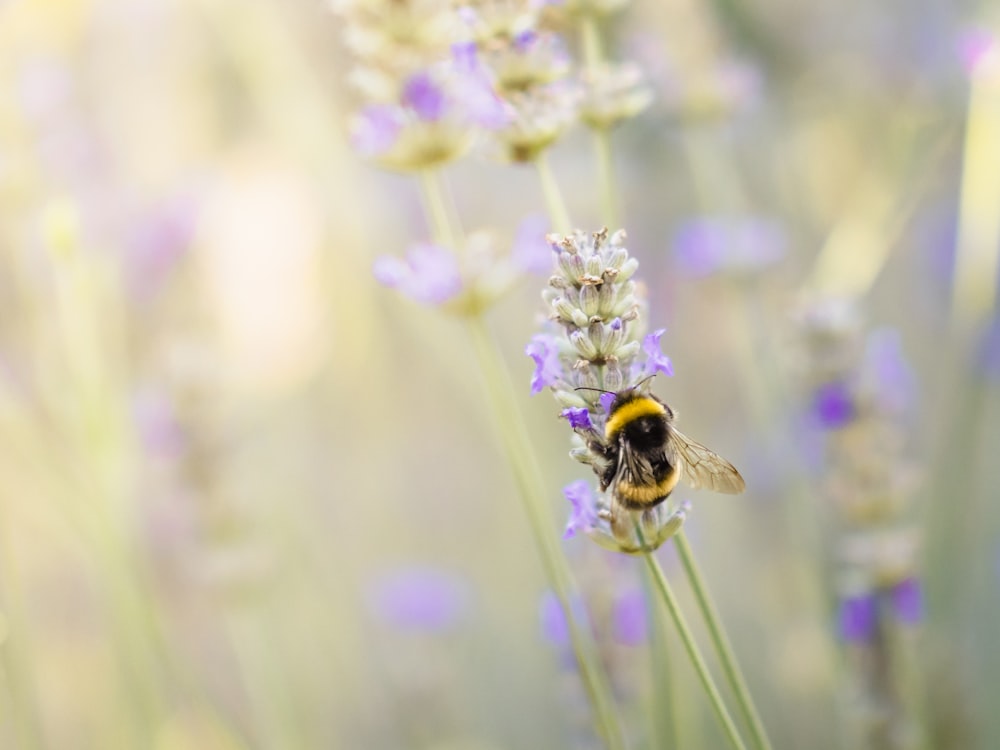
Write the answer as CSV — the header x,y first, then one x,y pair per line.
x,y
157,423
737,245
158,242
430,274
613,93
629,618
584,515
833,405
857,618
437,112
419,599
908,601
553,623
975,46
531,253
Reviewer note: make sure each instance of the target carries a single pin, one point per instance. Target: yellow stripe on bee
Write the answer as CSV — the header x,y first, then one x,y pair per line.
x,y
639,407
647,494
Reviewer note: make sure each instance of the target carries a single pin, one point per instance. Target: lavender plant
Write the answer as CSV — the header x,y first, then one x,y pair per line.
x,y
595,302
860,396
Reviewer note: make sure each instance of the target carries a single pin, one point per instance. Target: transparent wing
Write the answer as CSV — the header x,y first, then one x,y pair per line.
x,y
702,468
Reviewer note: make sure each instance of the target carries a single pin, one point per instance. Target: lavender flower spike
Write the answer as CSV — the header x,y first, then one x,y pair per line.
x,y
596,307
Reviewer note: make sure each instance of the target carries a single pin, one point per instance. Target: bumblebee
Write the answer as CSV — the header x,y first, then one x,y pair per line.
x,y
645,457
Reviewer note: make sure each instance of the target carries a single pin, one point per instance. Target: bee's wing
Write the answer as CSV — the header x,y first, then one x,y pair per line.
x,y
702,468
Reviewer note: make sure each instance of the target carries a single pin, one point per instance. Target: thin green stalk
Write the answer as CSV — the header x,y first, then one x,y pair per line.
x,y
663,711
723,648
436,208
606,177
693,652
528,478
558,214
593,57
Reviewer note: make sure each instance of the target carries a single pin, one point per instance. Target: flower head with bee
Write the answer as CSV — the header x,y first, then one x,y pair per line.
x,y
598,371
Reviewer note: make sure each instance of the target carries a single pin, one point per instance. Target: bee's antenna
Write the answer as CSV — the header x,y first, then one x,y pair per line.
x,y
642,382
585,388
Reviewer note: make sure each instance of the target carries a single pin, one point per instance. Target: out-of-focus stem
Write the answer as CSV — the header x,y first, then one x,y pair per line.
x,y
723,648
528,478
558,214
593,57
704,676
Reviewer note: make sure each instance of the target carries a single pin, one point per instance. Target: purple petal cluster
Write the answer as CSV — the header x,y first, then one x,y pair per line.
x,y
584,514
419,599
656,360
548,370
429,274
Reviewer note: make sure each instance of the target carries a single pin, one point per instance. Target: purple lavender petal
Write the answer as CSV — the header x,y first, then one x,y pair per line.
x,y
475,95
524,40
893,381
555,629
712,244
857,618
629,618
531,252
656,361
422,599
833,405
548,370
974,46
908,601
430,274
606,400
424,96
375,129
583,517
579,419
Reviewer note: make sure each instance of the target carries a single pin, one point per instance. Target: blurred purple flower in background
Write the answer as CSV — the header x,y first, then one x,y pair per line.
x,y
857,617
430,274
584,514
156,423
886,374
629,618
530,252
375,129
419,599
552,620
424,96
974,46
908,601
159,240
833,405
734,244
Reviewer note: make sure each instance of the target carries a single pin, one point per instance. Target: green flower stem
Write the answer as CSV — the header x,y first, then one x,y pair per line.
x,y
436,208
606,177
723,648
527,476
664,731
530,484
558,214
593,57
692,650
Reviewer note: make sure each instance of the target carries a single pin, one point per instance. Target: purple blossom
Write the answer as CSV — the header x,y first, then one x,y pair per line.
x,y
157,244
886,369
421,599
606,400
555,629
158,428
531,252
579,419
429,274
629,618
908,601
857,618
548,370
656,360
709,245
974,46
583,517
472,89
833,405
423,95
376,128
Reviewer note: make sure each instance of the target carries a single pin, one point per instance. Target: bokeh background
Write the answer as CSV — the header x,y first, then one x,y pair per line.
x,y
251,499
